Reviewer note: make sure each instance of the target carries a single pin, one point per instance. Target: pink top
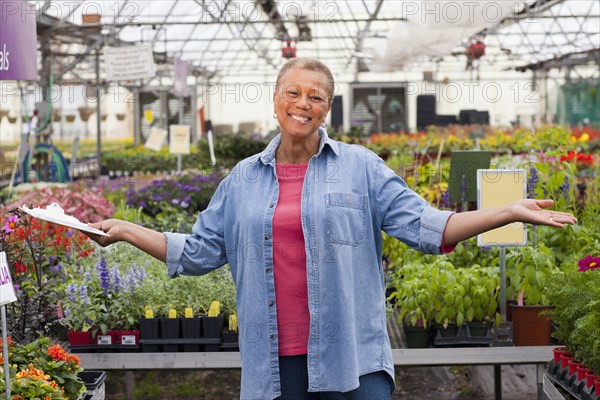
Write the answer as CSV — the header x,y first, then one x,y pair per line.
x,y
289,262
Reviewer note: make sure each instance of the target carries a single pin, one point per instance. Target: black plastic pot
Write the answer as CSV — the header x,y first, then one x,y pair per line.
x,y
149,329
170,328
212,327
191,329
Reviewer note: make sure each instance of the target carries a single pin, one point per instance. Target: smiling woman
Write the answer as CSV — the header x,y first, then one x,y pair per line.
x,y
302,99
300,226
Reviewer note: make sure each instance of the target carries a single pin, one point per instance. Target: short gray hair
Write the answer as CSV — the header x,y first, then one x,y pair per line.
x,y
309,64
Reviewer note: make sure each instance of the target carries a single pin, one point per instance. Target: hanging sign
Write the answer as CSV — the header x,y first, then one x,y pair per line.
x,y
501,187
18,41
179,139
129,62
181,88
7,291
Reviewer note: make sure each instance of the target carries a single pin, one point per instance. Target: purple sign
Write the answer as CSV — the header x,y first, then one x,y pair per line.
x,y
181,73
18,41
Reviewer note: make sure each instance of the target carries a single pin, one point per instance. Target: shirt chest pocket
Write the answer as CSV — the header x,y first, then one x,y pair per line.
x,y
346,218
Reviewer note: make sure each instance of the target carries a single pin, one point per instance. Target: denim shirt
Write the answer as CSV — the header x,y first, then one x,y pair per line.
x,y
349,196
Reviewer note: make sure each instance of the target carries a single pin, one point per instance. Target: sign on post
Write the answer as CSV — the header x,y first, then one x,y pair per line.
x,y
500,187
179,139
129,63
156,139
7,291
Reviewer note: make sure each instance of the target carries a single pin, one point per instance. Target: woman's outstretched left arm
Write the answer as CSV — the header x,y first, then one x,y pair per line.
x,y
462,226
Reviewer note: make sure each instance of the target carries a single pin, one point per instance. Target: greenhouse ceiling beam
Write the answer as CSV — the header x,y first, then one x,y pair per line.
x,y
63,21
373,35
155,38
97,44
255,45
217,22
567,60
360,37
538,7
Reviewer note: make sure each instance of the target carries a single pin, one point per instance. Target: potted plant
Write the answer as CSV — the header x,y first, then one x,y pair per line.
x,y
576,313
530,271
43,370
191,327
413,297
481,298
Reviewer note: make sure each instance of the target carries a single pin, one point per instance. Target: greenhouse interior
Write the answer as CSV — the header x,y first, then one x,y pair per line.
x,y
441,159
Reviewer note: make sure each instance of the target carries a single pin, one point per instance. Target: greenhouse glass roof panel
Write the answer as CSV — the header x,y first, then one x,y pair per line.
x,y
244,37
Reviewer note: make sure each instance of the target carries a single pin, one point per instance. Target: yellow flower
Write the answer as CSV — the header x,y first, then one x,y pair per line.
x,y
584,138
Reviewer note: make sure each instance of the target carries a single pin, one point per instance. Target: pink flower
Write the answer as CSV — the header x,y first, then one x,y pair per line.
x,y
10,225
589,263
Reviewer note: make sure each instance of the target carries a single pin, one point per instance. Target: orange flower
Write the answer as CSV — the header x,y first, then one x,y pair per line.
x,y
33,374
59,354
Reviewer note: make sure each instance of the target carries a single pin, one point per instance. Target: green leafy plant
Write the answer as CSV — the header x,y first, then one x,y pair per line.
x,y
529,271
43,370
576,313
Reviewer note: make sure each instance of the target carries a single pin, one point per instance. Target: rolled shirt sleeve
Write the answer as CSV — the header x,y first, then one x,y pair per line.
x,y
406,215
204,250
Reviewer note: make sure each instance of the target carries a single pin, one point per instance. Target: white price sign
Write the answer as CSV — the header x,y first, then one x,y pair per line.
x,y
104,339
128,340
7,291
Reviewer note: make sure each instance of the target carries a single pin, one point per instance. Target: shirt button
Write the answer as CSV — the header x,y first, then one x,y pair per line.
x,y
273,336
268,270
267,237
270,304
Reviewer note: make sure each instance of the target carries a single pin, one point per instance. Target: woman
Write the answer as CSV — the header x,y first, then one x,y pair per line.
x,y
300,226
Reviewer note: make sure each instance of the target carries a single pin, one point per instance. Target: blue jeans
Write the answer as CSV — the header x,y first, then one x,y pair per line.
x,y
294,383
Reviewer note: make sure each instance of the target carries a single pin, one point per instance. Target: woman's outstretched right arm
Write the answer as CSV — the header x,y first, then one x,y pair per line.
x,y
147,240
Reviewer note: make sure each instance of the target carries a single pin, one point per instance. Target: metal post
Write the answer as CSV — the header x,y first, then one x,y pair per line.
x,y
98,115
5,353
498,382
137,129
129,385
503,283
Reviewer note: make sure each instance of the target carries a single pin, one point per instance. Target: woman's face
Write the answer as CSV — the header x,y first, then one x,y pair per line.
x,y
301,102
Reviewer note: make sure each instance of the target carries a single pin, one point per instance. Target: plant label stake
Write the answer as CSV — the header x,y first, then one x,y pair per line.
x,y
7,295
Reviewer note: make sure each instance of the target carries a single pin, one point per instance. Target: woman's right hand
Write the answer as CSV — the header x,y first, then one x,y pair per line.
x,y
147,240
113,227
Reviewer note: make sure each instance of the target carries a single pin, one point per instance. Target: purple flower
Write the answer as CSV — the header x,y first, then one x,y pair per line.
x,y
104,275
532,182
83,294
117,283
566,188
446,199
72,292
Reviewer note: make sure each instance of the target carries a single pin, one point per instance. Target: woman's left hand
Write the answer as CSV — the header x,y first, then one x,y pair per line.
x,y
534,211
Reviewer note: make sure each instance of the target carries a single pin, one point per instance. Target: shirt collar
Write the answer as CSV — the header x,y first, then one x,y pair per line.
x,y
268,155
